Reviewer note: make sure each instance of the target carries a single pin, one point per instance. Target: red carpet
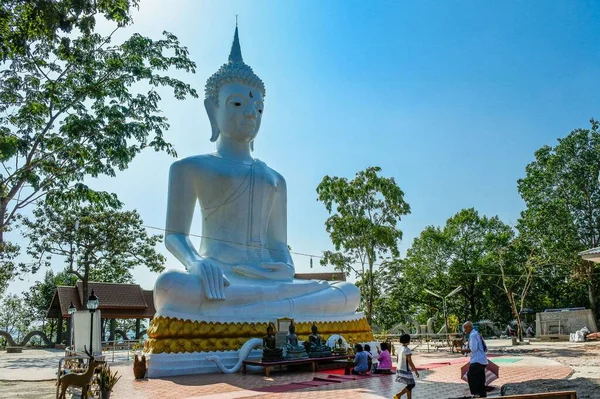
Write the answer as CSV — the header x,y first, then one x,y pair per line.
x,y
318,381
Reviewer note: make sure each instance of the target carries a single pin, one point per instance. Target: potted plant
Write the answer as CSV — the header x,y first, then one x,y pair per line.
x,y
106,381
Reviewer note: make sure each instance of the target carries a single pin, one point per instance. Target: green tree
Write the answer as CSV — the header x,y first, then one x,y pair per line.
x,y
39,298
395,302
96,242
363,225
459,254
15,318
72,104
25,22
562,198
519,263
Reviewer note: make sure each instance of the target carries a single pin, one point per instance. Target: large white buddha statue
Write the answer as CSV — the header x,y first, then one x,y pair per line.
x,y
243,273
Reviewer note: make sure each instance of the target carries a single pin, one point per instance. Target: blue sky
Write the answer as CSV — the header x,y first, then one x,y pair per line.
x,y
450,98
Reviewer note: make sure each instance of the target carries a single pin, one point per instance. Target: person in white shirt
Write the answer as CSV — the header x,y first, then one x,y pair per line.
x,y
476,373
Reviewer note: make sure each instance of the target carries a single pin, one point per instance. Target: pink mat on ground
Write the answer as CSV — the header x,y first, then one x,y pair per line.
x,y
430,366
316,382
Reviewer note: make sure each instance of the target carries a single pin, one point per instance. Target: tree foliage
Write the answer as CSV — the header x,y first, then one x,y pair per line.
x,y
73,104
363,225
462,253
15,318
95,242
39,298
562,195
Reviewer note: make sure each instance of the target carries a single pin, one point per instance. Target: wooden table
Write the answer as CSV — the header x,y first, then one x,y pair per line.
x,y
313,361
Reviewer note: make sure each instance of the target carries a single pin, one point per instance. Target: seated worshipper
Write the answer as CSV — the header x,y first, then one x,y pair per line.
x,y
367,349
361,364
385,360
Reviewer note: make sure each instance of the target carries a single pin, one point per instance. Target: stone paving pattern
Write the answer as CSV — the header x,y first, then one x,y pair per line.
x,y
437,383
442,382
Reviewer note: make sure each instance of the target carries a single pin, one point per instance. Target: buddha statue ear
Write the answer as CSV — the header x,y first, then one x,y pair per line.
x,y
211,110
251,145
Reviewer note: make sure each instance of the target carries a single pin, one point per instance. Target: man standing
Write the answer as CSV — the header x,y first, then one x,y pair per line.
x,y
476,373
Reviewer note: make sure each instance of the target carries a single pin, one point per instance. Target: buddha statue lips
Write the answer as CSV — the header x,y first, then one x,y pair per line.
x,y
243,270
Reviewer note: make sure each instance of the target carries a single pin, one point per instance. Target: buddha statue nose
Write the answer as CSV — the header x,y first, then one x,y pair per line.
x,y
251,112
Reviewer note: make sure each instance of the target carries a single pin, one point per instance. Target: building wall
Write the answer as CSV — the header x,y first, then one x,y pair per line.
x,y
548,323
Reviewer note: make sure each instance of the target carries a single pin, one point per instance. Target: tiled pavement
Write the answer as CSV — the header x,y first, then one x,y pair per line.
x,y
439,383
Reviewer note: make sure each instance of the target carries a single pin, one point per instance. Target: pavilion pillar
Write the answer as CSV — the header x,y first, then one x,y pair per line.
x,y
59,331
113,327
137,328
69,332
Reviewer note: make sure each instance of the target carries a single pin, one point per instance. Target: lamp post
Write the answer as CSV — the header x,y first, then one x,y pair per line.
x,y
92,305
72,309
444,298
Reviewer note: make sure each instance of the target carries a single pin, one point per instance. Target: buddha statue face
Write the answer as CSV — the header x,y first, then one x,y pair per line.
x,y
237,113
235,98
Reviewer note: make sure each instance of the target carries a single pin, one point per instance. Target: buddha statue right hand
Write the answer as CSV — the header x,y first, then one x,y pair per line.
x,y
211,275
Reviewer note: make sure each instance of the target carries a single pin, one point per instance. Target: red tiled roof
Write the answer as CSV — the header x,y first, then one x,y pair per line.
x,y
335,276
121,301
115,296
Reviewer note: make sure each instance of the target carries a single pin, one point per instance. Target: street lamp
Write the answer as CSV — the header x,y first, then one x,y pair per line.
x,y
72,309
443,298
92,305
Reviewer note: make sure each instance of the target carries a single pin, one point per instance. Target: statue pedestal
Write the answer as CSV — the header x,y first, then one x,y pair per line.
x,y
173,364
179,347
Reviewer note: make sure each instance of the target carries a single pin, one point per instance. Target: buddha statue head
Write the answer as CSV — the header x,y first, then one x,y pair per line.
x,y
292,329
270,329
314,329
234,99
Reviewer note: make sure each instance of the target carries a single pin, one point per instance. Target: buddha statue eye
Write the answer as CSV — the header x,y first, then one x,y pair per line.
x,y
260,111
237,104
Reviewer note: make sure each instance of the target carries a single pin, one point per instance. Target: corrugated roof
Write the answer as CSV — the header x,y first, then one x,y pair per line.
x,y
592,251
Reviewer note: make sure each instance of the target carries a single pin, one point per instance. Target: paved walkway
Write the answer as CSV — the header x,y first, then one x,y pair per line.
x,y
40,364
439,382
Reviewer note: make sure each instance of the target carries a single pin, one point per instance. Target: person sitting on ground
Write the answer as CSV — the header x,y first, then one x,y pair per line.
x,y
405,368
385,360
367,349
361,364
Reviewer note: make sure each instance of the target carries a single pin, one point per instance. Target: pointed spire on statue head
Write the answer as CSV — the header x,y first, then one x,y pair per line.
x,y
236,70
236,51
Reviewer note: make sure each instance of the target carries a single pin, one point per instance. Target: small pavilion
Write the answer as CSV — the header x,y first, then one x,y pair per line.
x,y
117,301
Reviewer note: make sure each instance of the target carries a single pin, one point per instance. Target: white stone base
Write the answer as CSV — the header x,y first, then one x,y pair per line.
x,y
172,364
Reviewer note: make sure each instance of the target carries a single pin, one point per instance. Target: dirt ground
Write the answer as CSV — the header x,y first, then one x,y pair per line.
x,y
28,390
584,359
